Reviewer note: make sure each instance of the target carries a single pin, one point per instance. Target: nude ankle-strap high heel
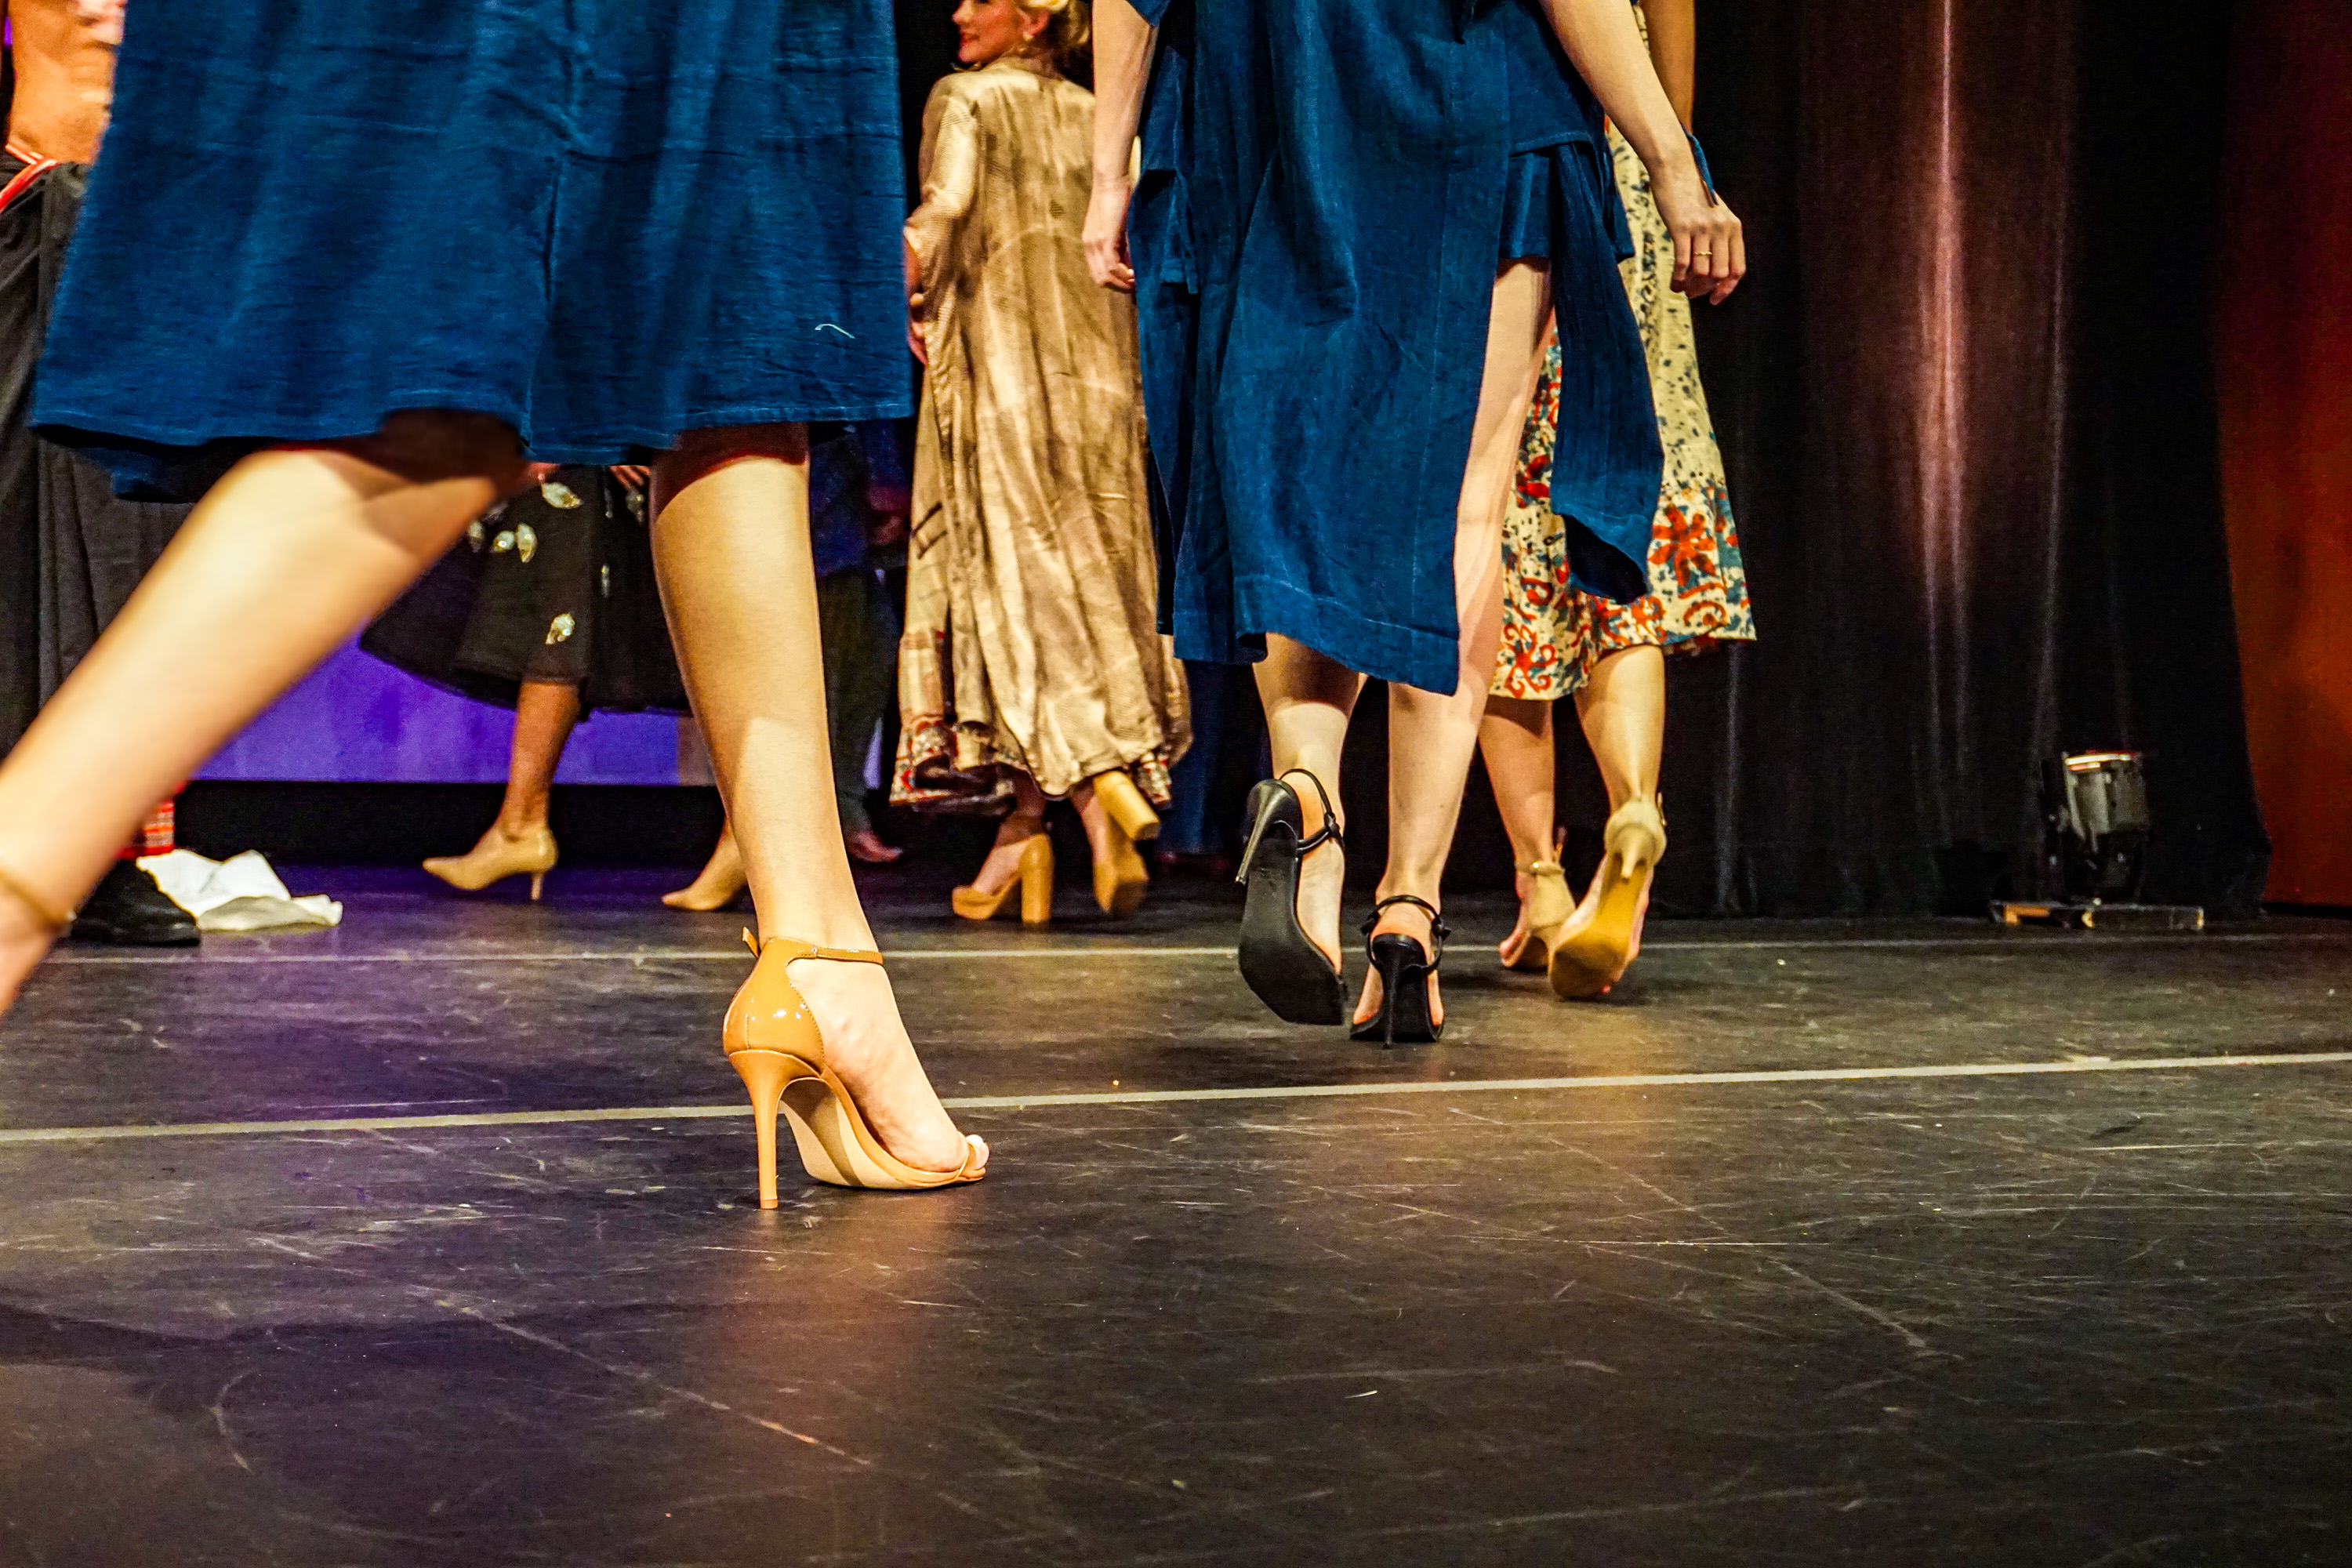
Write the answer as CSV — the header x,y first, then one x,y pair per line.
x,y
1035,880
773,1042
1586,962
496,858
1549,907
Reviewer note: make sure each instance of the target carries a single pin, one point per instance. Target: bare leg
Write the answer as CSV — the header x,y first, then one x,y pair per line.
x,y
1431,738
731,544
1309,698
287,555
1515,739
1622,707
1012,835
545,713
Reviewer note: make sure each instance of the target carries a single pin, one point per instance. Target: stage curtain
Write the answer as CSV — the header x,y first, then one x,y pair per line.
x,y
1967,404
2287,423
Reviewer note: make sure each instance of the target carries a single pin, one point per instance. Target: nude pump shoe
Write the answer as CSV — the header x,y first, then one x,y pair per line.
x,y
774,1044
1035,880
1588,962
496,858
1549,907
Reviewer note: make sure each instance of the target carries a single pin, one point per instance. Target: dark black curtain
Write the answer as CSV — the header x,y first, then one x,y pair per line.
x,y
1967,402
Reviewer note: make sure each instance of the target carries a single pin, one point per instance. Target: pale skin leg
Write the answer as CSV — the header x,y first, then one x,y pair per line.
x,y
1622,708
741,594
287,555
1431,738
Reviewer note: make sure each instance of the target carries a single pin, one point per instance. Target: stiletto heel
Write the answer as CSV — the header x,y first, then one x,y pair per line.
x,y
1405,967
1034,879
1587,962
1279,961
777,1048
1127,806
1548,908
496,858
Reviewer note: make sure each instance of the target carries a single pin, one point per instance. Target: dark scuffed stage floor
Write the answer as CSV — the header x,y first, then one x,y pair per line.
x,y
1777,1258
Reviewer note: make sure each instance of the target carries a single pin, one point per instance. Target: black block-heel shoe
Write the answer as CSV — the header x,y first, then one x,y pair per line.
x,y
1279,961
1404,968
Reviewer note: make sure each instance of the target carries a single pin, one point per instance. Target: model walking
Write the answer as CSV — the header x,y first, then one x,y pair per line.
x,y
1559,640
1033,665
1348,261
348,319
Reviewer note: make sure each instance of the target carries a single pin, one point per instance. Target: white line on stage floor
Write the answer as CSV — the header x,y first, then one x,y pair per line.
x,y
1193,1096
2038,942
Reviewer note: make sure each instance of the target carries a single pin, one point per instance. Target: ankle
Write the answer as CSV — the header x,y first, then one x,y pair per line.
x,y
520,827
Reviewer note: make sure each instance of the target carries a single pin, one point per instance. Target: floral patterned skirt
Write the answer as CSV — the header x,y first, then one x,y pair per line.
x,y
1553,633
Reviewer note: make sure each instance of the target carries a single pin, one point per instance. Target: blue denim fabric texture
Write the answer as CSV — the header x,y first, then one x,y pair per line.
x,y
1328,187
602,221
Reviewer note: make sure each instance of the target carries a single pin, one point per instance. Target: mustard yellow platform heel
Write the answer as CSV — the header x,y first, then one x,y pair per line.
x,y
496,858
1589,960
1127,806
1034,880
1549,907
775,1043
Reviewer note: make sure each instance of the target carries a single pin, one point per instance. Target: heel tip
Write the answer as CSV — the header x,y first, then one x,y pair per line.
x,y
768,1203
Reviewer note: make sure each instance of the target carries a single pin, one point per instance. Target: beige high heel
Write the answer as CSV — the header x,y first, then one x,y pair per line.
x,y
720,883
496,858
1034,879
1127,806
773,1042
1549,907
1588,962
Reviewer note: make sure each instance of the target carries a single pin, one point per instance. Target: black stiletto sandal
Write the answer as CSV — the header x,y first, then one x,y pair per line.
x,y
1290,974
1404,968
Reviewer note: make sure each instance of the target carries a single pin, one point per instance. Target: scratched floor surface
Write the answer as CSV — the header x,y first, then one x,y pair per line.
x,y
1899,1244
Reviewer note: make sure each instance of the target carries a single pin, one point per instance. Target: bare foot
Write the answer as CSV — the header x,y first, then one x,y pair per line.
x,y
1402,920
1004,862
866,844
866,1042
722,880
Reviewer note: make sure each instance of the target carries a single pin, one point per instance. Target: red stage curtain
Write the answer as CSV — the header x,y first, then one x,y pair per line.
x,y
2285,375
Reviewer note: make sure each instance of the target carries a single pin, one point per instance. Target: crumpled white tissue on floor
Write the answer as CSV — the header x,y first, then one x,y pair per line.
x,y
241,893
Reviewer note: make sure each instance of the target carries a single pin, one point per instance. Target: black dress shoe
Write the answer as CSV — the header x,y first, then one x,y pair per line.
x,y
128,910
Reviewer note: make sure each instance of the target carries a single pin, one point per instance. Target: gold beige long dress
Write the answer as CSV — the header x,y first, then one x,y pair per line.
x,y
1032,639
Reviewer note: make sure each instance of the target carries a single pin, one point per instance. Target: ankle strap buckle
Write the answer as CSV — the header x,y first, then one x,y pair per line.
x,y
1330,832
1438,930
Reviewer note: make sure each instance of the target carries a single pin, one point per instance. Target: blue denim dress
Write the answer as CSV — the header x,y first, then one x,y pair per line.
x,y
605,222
1327,189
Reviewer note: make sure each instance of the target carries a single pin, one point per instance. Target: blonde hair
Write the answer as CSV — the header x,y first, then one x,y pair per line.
x,y
1068,25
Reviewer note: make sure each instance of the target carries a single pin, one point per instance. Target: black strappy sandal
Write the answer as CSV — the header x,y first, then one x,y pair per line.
x,y
1279,961
1404,969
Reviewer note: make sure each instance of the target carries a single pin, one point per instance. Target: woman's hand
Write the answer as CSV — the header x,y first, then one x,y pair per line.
x,y
914,275
636,475
1710,247
1106,233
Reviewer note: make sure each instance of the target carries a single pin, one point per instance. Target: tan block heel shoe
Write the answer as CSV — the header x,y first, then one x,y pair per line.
x,y
1588,962
1035,880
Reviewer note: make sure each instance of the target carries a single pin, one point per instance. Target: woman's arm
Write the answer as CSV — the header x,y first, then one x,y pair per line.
x,y
1674,49
1601,37
1123,46
951,175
